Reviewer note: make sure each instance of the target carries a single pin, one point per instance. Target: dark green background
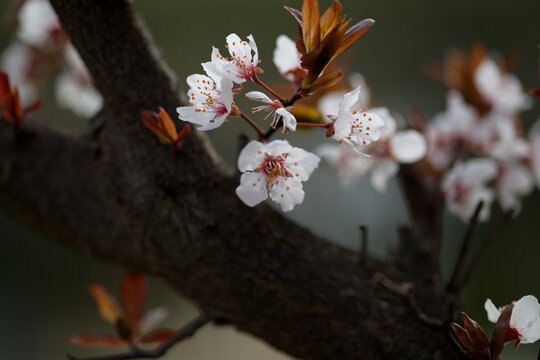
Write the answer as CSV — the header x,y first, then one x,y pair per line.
x,y
43,295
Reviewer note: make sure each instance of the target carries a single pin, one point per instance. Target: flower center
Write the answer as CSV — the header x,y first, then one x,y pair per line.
x,y
273,168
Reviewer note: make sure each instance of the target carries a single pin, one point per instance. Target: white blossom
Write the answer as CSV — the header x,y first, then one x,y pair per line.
x,y
74,89
37,23
329,103
209,102
514,181
525,318
275,169
18,62
287,58
241,66
274,110
502,90
465,186
408,146
353,124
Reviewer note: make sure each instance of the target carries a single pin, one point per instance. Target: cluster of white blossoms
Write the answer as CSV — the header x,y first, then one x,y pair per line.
x,y
41,42
393,147
273,169
479,145
524,321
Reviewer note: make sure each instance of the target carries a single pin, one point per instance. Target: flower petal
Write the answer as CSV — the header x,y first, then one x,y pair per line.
x,y
382,172
289,121
287,193
251,156
526,319
133,290
107,304
492,312
408,146
252,188
258,96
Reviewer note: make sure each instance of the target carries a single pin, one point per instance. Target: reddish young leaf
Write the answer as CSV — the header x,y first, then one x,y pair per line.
x,y
329,79
133,293
462,336
310,18
352,35
158,336
95,340
502,333
107,305
331,19
186,130
476,333
536,93
167,123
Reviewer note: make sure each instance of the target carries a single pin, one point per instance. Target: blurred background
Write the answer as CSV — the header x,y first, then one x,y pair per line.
x,y
43,295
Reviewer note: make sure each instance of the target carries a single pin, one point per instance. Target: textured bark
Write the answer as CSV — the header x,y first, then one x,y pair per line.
x,y
119,194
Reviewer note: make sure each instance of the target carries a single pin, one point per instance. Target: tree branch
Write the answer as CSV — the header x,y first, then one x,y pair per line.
x,y
124,197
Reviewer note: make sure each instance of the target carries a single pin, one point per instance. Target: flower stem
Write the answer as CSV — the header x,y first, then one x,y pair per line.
x,y
267,88
259,131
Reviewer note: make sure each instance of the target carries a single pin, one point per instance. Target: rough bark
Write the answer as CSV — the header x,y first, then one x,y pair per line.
x,y
120,195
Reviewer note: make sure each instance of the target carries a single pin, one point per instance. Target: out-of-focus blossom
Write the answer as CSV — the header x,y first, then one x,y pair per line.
x,y
275,169
21,63
465,185
524,321
513,182
241,66
74,88
132,327
353,124
288,60
38,24
274,110
209,102
408,146
501,89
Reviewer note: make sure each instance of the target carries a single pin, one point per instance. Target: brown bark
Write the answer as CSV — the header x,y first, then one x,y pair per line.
x,y
119,194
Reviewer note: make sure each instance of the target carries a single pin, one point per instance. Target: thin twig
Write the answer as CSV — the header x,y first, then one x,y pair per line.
x,y
259,131
495,231
185,332
267,88
364,231
473,225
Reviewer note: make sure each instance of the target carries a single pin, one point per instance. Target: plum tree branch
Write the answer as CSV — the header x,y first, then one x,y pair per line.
x,y
120,195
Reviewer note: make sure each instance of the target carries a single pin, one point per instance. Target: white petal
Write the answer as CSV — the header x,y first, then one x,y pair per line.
x,y
214,123
195,80
288,193
389,127
514,182
188,113
492,312
251,156
535,150
479,170
253,47
36,21
526,319
252,188
289,121
329,104
408,146
258,96
152,317
301,163
286,57
225,87
81,98
350,99
383,171
278,147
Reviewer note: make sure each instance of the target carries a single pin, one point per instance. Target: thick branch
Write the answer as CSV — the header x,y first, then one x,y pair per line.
x,y
176,215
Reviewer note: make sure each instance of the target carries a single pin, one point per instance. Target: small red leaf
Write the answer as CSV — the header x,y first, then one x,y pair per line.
x,y
501,332
476,333
158,336
462,336
107,305
95,340
536,93
310,28
133,294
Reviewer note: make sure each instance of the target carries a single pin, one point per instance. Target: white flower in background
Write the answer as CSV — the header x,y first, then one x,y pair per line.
x,y
209,103
287,58
356,126
525,318
274,110
275,169
502,90
329,103
74,89
514,181
458,118
408,146
393,147
38,23
18,61
241,66
534,138
465,186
